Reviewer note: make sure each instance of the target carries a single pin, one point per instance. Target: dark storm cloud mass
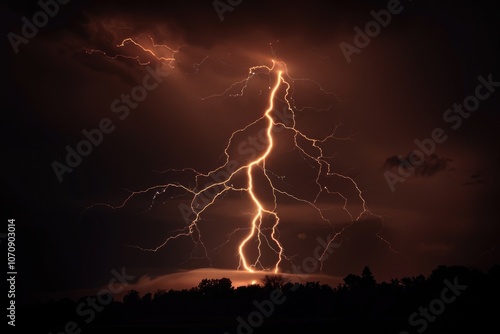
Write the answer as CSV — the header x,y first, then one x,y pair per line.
x,y
416,68
430,166
476,178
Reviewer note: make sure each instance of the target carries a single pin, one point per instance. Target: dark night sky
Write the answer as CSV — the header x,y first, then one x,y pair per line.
x,y
394,91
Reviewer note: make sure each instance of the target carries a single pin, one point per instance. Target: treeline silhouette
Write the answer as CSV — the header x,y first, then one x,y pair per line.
x,y
452,299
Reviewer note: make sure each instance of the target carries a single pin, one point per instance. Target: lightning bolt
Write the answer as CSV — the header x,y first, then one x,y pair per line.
x,y
257,220
280,88
154,51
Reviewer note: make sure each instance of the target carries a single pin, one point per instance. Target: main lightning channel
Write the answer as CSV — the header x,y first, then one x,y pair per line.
x,y
257,220
255,231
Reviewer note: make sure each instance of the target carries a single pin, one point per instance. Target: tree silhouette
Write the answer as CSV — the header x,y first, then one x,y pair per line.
x,y
352,281
147,298
367,278
215,286
274,281
132,297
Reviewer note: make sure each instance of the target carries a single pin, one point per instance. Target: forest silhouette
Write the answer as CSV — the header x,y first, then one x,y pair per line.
x,y
452,299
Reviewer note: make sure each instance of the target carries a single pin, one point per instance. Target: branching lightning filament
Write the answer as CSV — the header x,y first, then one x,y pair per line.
x,y
281,88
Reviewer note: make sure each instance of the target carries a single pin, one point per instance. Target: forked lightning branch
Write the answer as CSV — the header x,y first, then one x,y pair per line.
x,y
261,234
